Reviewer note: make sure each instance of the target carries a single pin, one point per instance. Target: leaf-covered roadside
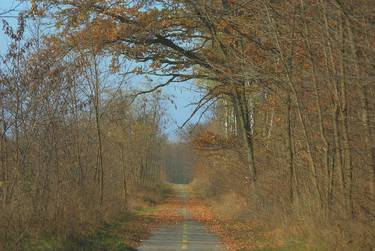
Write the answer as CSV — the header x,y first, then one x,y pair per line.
x,y
244,234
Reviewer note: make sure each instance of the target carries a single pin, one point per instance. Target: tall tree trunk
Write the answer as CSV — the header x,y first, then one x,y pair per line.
x,y
124,181
364,100
318,106
4,157
244,127
97,110
337,163
290,145
297,101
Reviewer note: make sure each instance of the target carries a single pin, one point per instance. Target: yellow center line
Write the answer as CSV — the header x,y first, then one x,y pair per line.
x,y
184,241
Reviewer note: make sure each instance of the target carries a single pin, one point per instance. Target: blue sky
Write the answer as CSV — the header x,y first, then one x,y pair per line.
x,y
182,94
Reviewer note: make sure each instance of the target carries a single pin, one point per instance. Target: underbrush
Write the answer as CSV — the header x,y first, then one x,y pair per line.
x,y
81,223
147,196
122,235
244,225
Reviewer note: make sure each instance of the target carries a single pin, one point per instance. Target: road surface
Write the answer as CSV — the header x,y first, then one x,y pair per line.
x,y
186,235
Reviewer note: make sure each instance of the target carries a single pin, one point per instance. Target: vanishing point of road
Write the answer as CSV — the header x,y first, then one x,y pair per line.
x,y
185,235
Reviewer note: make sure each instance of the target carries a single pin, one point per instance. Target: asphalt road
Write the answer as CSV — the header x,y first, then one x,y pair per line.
x,y
186,235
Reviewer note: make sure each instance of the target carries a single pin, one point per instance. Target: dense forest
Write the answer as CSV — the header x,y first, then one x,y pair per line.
x,y
288,86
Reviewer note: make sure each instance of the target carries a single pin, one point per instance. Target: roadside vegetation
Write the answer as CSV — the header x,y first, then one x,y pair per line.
x,y
122,233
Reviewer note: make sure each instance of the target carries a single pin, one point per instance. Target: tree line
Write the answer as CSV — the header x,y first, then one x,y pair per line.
x,y
76,147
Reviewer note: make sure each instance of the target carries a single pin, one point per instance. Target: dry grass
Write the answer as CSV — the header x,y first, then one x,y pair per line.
x,y
243,234
83,228
243,227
